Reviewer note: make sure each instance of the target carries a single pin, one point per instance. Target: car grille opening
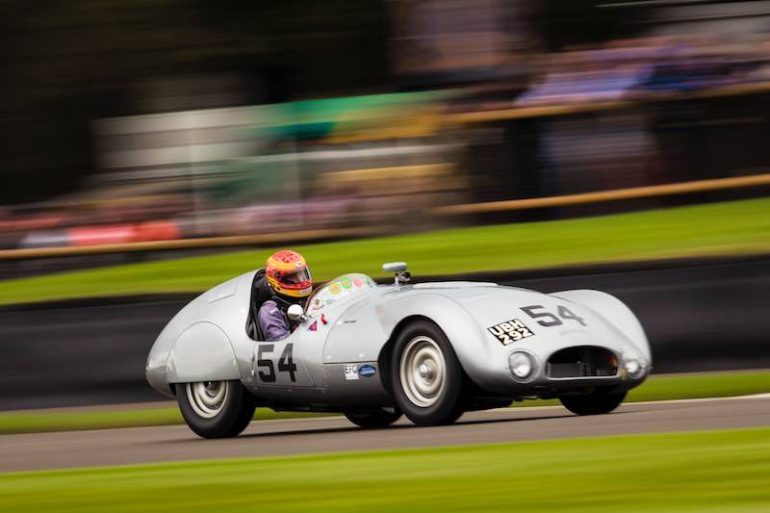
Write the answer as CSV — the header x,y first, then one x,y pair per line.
x,y
582,362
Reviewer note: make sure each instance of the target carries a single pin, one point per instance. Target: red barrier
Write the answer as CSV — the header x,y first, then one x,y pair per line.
x,y
123,234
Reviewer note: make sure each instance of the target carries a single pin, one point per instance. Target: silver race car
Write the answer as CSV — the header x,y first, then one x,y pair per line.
x,y
428,350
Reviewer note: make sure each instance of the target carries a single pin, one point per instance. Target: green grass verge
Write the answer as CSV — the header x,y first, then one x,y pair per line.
x,y
41,421
721,384
691,386
694,386
719,228
707,472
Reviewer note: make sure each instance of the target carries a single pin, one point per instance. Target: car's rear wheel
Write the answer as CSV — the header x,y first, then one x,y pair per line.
x,y
215,409
594,403
426,376
373,417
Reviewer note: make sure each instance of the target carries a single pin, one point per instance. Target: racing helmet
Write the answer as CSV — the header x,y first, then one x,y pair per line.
x,y
288,275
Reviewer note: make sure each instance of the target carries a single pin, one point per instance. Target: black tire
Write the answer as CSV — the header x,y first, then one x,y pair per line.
x,y
595,403
228,419
373,418
446,406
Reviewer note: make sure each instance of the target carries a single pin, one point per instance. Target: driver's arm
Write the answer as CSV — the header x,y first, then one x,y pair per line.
x,y
273,322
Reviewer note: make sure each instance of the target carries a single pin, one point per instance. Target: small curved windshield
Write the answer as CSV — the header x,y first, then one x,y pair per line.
x,y
339,289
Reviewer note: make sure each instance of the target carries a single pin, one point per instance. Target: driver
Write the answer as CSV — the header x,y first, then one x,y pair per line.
x,y
290,282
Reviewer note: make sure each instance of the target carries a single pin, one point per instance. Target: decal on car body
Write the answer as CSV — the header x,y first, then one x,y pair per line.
x,y
351,371
547,319
510,331
367,371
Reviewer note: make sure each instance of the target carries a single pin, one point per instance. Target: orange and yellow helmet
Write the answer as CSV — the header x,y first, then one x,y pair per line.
x,y
288,275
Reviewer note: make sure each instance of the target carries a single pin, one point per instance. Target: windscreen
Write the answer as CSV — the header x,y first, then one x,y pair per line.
x,y
339,289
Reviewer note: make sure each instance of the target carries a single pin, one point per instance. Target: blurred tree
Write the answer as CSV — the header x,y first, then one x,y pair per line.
x,y
67,63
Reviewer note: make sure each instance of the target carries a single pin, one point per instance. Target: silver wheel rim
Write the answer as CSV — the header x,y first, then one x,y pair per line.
x,y
423,371
207,398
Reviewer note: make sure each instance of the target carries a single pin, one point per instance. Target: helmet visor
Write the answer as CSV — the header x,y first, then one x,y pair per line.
x,y
301,276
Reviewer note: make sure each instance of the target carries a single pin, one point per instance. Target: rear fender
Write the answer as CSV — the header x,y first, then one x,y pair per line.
x,y
202,353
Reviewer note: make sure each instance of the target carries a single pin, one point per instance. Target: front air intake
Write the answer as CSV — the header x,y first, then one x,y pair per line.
x,y
582,362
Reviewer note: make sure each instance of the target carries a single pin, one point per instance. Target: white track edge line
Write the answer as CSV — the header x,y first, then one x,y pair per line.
x,y
509,409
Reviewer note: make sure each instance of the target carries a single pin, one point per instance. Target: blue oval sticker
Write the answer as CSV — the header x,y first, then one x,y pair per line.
x,y
367,371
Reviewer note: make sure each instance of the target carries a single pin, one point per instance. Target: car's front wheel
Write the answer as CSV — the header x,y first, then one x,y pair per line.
x,y
426,376
215,409
594,403
373,417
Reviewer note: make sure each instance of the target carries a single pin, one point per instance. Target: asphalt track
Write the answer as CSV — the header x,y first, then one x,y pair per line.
x,y
332,434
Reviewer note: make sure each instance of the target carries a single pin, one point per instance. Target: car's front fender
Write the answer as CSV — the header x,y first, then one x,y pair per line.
x,y
615,313
463,332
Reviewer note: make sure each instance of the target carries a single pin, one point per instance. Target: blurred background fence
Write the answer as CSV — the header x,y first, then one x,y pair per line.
x,y
135,124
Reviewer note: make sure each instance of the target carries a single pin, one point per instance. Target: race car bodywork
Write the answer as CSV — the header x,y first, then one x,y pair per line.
x,y
429,350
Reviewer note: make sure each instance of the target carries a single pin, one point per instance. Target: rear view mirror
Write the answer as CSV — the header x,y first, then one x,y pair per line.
x,y
394,267
402,275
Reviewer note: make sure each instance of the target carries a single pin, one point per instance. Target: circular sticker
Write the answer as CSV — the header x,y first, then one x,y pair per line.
x,y
335,289
346,282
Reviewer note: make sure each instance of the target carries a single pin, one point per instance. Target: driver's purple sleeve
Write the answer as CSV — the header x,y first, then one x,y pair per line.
x,y
273,322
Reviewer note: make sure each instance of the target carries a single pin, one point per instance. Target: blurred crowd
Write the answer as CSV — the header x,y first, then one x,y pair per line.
x,y
254,170
375,160
639,68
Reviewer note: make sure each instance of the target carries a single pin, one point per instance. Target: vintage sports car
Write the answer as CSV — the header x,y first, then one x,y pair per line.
x,y
372,352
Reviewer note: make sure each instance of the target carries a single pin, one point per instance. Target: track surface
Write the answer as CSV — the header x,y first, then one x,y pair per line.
x,y
319,435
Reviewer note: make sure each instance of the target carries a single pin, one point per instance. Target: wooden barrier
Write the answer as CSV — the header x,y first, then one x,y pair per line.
x,y
465,118
604,196
207,242
470,208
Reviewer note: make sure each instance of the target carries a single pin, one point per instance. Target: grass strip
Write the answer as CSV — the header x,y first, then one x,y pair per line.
x,y
736,227
663,387
695,386
672,387
41,421
707,472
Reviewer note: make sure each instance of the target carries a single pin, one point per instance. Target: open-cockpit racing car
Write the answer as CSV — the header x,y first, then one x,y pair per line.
x,y
430,351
